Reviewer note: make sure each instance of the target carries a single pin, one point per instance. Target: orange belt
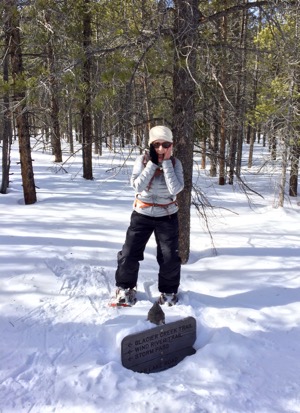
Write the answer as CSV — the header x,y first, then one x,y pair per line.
x,y
142,204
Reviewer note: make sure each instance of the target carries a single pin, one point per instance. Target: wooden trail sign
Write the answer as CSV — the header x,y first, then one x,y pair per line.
x,y
159,348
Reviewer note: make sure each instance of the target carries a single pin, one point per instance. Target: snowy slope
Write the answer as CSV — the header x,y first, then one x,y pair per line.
x,y
60,344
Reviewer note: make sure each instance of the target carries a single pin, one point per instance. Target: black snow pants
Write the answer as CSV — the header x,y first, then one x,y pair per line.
x,y
166,234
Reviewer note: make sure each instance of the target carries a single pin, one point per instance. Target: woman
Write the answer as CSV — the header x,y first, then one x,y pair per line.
x,y
157,178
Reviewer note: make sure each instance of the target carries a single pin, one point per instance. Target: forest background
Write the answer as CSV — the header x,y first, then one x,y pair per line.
x,y
220,74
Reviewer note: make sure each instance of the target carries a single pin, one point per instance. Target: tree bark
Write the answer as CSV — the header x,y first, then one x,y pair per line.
x,y
53,89
21,111
252,131
295,147
241,95
7,129
86,109
222,159
185,38
214,140
288,136
293,184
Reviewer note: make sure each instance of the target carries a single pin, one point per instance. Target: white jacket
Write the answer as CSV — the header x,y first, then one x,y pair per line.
x,y
159,189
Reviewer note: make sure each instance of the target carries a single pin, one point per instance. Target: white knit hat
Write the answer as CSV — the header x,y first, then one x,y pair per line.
x,y
160,132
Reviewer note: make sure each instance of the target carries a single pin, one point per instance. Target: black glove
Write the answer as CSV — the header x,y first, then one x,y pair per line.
x,y
153,154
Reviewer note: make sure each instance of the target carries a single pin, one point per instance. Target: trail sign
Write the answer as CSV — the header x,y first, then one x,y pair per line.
x,y
159,348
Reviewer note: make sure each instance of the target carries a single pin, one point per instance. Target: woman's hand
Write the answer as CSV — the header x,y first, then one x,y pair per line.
x,y
168,153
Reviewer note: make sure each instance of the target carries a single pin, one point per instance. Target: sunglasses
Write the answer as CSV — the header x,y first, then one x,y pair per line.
x,y
165,145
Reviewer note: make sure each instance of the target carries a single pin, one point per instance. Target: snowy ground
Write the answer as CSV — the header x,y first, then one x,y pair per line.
x,y
60,344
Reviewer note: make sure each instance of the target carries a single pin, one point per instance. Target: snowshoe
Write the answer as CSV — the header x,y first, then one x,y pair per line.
x,y
168,299
124,298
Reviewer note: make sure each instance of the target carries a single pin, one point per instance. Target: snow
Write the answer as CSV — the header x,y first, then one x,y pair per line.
x,y
60,343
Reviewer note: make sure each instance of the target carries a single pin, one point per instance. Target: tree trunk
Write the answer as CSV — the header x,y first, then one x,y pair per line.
x,y
252,134
98,133
214,141
7,130
242,106
203,144
284,164
146,97
253,130
21,111
53,89
70,129
289,135
124,115
293,185
222,160
236,144
185,37
295,147
86,109
273,146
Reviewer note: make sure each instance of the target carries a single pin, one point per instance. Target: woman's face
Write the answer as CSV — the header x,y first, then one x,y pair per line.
x,y
163,149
